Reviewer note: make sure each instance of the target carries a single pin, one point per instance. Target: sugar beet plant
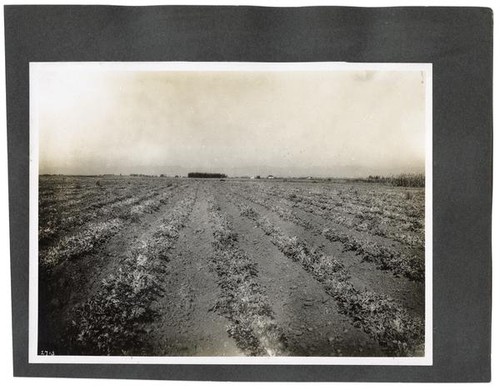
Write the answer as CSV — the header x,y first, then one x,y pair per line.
x,y
399,333
386,258
243,300
114,321
92,233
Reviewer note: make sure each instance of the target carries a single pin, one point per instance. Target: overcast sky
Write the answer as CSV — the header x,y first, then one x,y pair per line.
x,y
329,123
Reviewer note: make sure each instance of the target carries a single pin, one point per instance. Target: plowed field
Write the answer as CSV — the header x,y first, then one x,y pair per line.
x,y
207,267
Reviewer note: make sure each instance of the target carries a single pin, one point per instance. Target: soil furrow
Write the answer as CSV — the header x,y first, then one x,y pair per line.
x,y
204,267
364,275
243,300
187,324
70,283
398,332
117,318
386,253
307,315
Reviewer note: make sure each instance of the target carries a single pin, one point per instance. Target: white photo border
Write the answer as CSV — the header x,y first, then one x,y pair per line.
x,y
36,67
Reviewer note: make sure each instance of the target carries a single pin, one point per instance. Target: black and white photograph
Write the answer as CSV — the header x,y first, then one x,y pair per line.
x,y
248,192
230,213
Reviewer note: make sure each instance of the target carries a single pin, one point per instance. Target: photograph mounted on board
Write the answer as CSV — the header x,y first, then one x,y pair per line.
x,y
230,213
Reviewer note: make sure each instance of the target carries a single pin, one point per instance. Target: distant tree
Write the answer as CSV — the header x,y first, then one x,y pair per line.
x,y
205,175
403,180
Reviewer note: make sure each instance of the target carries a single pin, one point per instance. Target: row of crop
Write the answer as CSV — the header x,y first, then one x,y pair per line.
x,y
55,219
90,199
269,203
93,202
80,243
242,301
54,187
384,216
392,204
118,318
407,233
396,330
384,256
83,192
92,233
52,208
396,208
364,222
128,208
65,202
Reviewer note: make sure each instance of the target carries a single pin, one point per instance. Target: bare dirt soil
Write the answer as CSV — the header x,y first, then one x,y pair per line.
x,y
204,267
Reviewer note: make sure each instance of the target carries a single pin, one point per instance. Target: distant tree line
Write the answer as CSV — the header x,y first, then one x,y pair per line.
x,y
207,175
403,180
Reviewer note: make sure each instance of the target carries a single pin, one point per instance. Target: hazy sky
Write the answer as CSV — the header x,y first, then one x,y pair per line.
x,y
329,123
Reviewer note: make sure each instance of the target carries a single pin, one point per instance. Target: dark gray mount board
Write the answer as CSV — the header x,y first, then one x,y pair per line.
x,y
457,41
